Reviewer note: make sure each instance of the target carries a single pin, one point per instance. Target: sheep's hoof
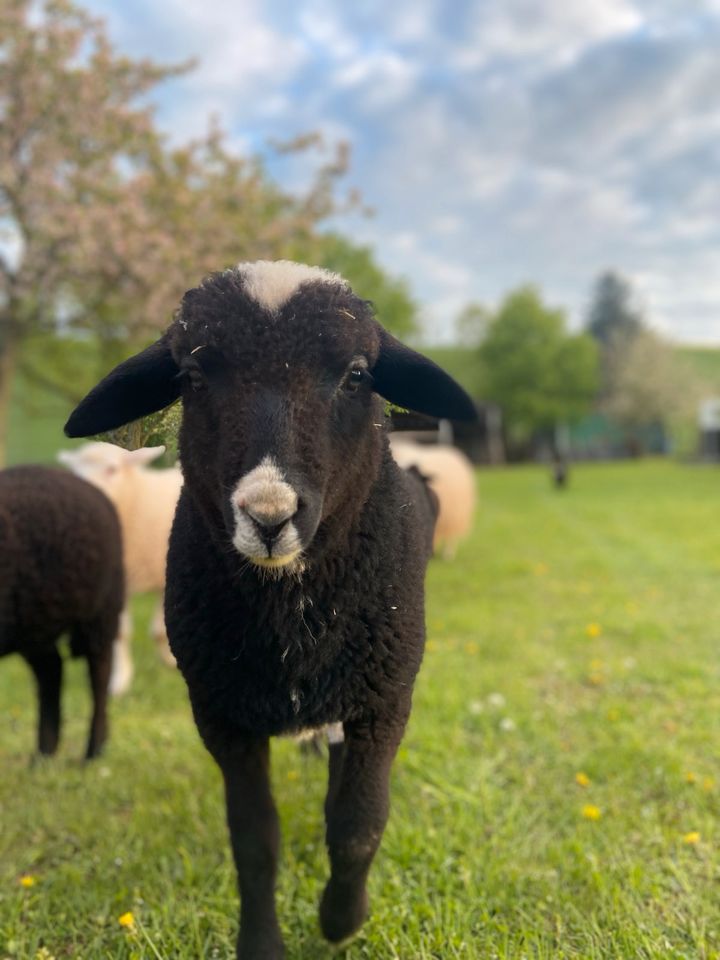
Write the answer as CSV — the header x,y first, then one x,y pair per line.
x,y
94,749
342,913
251,950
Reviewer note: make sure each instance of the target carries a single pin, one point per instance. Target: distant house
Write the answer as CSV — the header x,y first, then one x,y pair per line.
x,y
598,437
709,426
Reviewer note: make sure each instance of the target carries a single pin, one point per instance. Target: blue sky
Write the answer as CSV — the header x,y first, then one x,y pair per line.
x,y
498,141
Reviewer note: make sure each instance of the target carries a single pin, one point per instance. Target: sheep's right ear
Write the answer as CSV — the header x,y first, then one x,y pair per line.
x,y
143,384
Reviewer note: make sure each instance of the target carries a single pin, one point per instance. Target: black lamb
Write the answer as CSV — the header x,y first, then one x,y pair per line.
x,y
295,594
60,572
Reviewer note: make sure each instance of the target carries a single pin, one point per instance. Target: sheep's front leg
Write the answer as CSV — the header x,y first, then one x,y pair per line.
x,y
356,810
47,667
255,838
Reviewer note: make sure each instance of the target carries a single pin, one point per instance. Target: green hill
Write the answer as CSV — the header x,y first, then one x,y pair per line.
x,y
705,361
463,364
37,415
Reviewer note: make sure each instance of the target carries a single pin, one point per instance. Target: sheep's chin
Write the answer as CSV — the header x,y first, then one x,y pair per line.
x,y
287,563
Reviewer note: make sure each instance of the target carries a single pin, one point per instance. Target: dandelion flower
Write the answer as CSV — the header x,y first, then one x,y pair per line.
x,y
708,783
591,812
582,779
690,777
692,838
27,881
127,920
593,630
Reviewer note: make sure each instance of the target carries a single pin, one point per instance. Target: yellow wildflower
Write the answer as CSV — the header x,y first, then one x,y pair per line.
x,y
708,783
471,647
690,777
293,775
593,630
27,881
591,812
613,714
127,920
693,837
582,779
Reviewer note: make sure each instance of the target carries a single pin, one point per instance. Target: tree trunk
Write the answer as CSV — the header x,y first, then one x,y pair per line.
x,y
8,360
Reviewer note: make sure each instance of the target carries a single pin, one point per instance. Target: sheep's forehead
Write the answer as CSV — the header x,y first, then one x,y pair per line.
x,y
271,283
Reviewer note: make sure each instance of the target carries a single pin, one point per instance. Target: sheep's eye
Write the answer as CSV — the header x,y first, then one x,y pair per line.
x,y
354,378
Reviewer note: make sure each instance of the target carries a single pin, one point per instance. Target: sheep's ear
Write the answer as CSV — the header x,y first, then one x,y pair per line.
x,y
143,384
144,455
68,458
411,380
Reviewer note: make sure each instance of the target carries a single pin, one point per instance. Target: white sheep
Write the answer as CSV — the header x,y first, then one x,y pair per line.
x,y
145,501
450,475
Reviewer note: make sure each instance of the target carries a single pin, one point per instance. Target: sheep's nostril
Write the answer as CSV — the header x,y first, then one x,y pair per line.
x,y
269,532
268,524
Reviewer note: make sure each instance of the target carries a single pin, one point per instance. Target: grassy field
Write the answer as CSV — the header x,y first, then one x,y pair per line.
x,y
557,794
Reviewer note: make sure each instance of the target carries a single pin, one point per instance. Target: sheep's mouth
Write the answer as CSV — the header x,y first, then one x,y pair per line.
x,y
278,566
274,563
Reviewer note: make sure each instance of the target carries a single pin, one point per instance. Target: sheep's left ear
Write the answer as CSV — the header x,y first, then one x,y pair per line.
x,y
143,384
144,455
411,380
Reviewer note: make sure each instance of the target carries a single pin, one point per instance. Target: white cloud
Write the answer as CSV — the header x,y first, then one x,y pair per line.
x,y
555,30
381,77
516,140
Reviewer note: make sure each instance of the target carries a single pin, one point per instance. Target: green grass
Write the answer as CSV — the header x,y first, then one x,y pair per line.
x,y
36,427
575,632
705,362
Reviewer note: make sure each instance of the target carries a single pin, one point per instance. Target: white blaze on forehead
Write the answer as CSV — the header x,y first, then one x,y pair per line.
x,y
271,283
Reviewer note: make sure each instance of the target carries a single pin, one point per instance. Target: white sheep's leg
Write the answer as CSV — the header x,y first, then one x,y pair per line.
x,y
122,665
448,549
159,634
